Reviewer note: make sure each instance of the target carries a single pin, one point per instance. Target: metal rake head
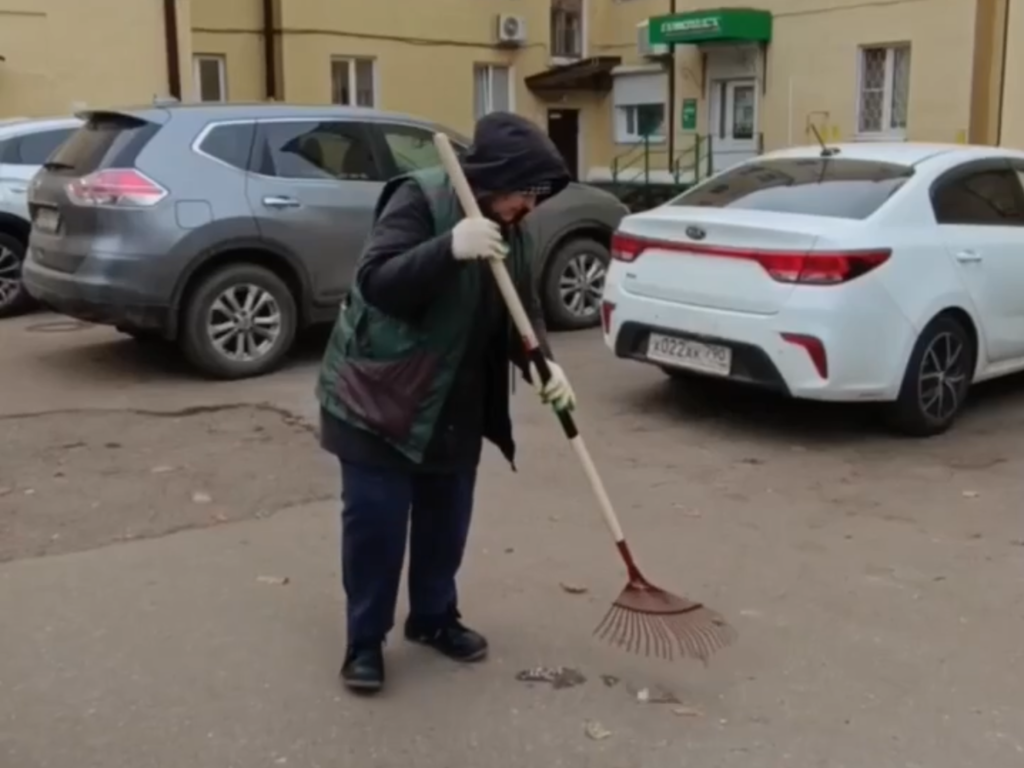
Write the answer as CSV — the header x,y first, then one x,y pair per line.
x,y
648,620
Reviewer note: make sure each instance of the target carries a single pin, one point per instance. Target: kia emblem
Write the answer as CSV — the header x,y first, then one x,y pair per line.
x,y
696,233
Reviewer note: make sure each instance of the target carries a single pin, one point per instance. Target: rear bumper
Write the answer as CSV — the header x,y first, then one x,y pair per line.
x,y
867,341
101,290
750,363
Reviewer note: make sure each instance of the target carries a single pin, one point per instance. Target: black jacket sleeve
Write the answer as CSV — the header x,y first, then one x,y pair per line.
x,y
404,263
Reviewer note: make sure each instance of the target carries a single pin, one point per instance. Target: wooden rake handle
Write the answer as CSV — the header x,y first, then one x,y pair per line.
x,y
533,351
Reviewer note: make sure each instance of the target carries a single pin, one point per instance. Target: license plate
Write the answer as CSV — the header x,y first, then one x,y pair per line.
x,y
47,220
695,355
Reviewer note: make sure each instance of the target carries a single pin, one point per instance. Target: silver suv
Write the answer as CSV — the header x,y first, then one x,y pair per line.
x,y
229,228
24,147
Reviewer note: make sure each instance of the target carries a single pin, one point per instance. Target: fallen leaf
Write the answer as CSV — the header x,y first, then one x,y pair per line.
x,y
277,581
30,491
610,680
971,494
163,469
559,677
595,730
573,589
656,696
687,712
201,498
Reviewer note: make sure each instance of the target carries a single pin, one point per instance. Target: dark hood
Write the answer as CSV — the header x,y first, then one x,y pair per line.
x,y
511,154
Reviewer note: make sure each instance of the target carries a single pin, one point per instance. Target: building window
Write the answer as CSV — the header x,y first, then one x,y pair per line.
x,y
492,90
566,29
353,82
210,72
635,122
884,91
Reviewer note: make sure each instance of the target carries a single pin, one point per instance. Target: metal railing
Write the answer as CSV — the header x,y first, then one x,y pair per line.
x,y
688,165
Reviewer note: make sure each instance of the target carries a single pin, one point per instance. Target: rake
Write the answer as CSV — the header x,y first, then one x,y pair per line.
x,y
644,618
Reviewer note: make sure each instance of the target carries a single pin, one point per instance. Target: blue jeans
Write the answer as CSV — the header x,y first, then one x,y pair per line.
x,y
381,508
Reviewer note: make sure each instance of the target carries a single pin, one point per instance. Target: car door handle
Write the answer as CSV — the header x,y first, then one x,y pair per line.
x,y
280,202
966,257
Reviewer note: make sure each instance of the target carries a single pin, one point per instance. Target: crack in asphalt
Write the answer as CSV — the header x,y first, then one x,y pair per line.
x,y
289,417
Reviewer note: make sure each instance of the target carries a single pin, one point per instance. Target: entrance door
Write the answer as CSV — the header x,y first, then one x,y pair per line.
x,y
733,116
564,131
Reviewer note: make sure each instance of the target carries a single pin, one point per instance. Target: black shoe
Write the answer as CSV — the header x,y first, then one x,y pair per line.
x,y
449,637
363,669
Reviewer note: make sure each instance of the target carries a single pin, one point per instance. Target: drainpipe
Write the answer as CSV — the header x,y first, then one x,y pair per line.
x,y
269,51
671,96
1002,75
171,48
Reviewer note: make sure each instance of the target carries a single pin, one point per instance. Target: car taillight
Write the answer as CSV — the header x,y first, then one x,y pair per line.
x,y
804,267
607,308
626,248
115,187
819,267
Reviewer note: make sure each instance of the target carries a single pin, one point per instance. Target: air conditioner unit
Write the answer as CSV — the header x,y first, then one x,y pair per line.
x,y
643,42
511,30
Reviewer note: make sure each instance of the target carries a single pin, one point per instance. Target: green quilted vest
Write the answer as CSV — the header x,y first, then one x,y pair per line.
x,y
390,377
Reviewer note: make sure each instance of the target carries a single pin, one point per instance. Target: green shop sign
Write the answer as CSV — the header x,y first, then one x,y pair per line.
x,y
688,115
734,25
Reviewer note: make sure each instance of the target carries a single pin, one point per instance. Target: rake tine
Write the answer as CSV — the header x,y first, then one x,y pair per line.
x,y
665,639
633,642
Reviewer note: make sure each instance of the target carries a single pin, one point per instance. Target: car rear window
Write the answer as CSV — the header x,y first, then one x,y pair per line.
x,y
230,143
105,140
827,186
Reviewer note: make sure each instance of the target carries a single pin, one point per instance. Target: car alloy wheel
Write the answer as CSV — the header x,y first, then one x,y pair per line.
x,y
10,276
942,377
244,323
581,284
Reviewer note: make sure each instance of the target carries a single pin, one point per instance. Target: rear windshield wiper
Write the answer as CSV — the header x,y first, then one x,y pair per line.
x,y
56,165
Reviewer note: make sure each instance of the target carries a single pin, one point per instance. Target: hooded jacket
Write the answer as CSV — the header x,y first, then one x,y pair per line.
x,y
407,264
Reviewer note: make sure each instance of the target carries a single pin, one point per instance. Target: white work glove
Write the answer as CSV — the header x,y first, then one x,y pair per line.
x,y
557,392
477,238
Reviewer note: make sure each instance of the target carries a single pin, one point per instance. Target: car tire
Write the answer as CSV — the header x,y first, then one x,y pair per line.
x,y
575,274
218,325
14,298
936,381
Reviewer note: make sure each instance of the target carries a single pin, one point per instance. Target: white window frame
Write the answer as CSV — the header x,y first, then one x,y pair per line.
x,y
584,31
222,75
490,69
622,133
352,61
888,93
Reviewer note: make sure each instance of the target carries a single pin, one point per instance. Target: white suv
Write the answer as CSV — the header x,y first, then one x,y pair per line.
x,y
24,146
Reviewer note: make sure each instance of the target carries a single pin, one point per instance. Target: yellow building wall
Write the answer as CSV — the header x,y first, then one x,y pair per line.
x,y
63,54
812,68
1013,88
613,32
232,29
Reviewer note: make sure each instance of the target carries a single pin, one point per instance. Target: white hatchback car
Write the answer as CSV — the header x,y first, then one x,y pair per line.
x,y
861,272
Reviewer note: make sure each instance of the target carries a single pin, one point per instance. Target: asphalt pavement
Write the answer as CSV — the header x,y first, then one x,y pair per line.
x,y
169,588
